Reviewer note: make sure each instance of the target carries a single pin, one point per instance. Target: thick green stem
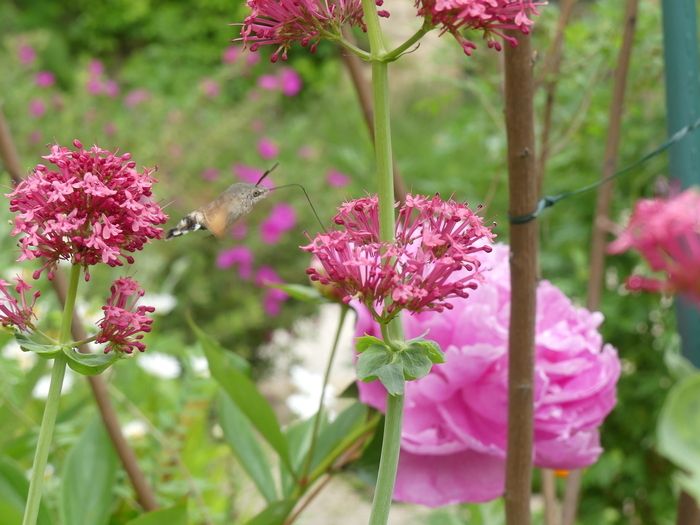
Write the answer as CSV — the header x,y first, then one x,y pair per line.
x,y
319,412
43,445
396,53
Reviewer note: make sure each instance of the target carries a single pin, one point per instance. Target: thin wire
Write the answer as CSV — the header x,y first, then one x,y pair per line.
x,y
550,200
307,198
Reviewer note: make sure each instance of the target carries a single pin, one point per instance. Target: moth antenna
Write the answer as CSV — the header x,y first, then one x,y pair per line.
x,y
308,199
267,173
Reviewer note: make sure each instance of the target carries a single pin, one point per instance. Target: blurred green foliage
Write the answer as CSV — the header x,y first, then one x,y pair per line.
x,y
448,137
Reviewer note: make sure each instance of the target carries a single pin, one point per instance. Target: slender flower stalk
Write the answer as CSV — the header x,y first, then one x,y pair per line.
x,y
51,409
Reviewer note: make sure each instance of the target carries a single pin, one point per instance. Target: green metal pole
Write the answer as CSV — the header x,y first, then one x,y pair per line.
x,y
683,107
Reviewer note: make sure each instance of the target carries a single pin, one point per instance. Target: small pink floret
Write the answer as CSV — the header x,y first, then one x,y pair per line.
x,y
17,311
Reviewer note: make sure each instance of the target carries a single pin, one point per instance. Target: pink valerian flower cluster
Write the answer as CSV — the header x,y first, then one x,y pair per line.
x,y
432,260
453,441
493,17
281,23
124,324
17,312
666,232
93,207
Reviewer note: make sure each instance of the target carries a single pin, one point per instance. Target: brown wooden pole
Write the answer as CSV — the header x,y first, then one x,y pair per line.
x,y
523,197
144,492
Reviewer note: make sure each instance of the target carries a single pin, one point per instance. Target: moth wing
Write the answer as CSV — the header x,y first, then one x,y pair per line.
x,y
216,216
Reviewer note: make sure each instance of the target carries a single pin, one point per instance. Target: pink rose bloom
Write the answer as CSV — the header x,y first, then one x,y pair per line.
x,y
282,218
666,232
136,97
453,443
238,256
230,54
37,108
290,82
337,179
268,82
267,149
26,55
210,87
274,297
44,79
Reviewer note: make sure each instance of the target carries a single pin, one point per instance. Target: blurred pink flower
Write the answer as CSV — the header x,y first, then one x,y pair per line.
x,y
267,149
124,324
251,59
210,87
136,97
251,175
95,67
337,179
95,208
307,152
231,54
238,256
454,436
433,258
35,137
17,311
282,218
37,108
281,24
94,86
492,17
268,82
290,81
111,88
110,128
274,297
239,230
210,174
666,232
26,55
44,79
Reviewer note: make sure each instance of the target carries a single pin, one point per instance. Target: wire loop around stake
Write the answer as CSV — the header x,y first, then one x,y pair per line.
x,y
550,200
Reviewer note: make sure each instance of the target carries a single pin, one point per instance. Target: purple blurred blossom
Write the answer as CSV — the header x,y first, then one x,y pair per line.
x,y
238,256
110,128
111,88
44,79
274,297
94,86
337,179
26,54
239,230
268,82
282,218
210,174
291,81
252,58
135,97
231,54
37,108
251,175
95,67
210,87
267,148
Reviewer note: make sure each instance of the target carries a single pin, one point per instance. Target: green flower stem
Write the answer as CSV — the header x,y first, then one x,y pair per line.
x,y
364,55
319,413
394,54
48,421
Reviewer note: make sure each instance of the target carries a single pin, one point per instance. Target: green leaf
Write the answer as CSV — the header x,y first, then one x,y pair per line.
x,y
13,493
364,342
416,363
240,436
430,348
176,515
90,364
298,436
392,378
274,514
371,359
300,292
347,421
242,391
44,350
89,478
